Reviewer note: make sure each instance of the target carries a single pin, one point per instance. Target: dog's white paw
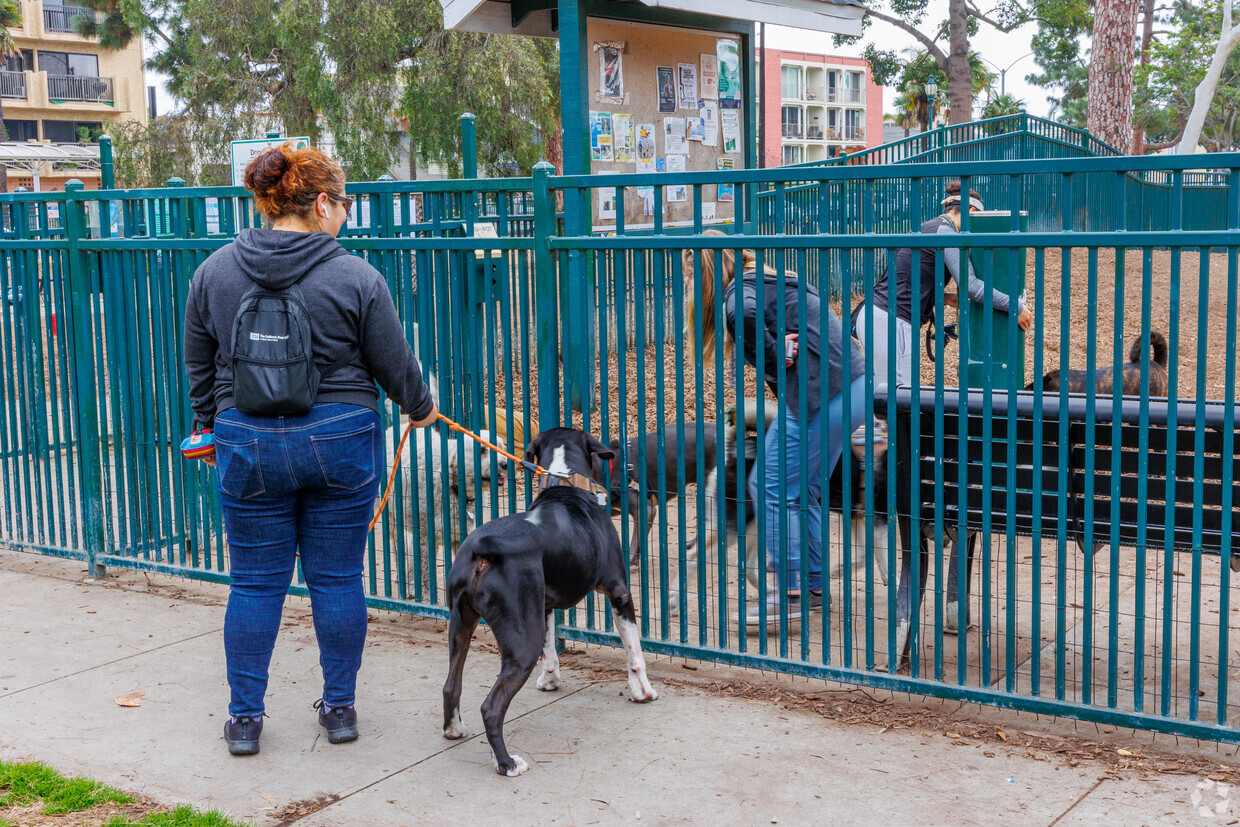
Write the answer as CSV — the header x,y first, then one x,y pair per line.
x,y
519,766
456,730
640,690
549,681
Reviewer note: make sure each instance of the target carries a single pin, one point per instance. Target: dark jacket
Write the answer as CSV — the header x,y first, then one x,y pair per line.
x,y
925,261
776,289
349,307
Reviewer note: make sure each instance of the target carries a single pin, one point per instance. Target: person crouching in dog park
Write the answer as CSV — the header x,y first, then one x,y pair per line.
x,y
286,334
752,302
879,306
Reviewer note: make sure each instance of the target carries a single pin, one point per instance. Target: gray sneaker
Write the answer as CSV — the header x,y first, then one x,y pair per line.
x,y
242,734
754,618
339,721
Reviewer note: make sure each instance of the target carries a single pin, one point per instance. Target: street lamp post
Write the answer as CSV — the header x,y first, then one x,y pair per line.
x,y
1003,72
931,88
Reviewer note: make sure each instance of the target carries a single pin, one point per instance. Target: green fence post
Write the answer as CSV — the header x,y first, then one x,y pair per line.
x,y
273,134
1005,278
469,146
107,171
86,404
546,294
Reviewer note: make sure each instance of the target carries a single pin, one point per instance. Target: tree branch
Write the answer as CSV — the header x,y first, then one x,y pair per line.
x,y
974,11
934,50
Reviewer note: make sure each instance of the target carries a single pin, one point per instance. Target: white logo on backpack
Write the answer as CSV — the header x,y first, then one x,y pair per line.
x,y
265,337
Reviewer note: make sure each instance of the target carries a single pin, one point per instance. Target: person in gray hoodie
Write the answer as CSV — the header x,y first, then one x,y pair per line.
x,y
298,487
752,304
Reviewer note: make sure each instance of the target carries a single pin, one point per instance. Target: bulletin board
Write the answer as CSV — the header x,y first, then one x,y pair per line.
x,y
638,71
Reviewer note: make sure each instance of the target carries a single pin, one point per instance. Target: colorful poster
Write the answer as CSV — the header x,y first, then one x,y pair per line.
x,y
676,192
729,74
607,203
667,88
730,124
709,117
695,129
727,192
600,136
710,77
645,147
674,136
660,164
610,70
687,87
623,139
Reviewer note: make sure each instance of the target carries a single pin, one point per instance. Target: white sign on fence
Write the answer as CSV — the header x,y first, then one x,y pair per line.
x,y
244,151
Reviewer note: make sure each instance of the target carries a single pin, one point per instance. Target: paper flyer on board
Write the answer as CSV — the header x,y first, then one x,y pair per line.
x,y
667,88
646,194
645,147
726,191
674,136
623,139
730,124
600,136
709,77
686,74
607,202
709,117
610,71
729,74
676,192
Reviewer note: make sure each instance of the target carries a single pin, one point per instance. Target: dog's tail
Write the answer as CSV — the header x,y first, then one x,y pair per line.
x,y
1158,342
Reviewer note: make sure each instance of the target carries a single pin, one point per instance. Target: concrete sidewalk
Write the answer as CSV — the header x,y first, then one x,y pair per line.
x,y
70,646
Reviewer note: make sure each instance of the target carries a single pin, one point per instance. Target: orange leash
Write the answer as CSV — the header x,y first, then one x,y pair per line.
x,y
538,470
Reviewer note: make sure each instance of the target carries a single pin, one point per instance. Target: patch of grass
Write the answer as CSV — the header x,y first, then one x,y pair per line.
x,y
28,782
182,816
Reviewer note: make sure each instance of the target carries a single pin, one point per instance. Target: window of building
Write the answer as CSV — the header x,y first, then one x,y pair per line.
x,y
790,82
793,121
66,132
21,130
69,63
852,87
852,125
23,62
793,155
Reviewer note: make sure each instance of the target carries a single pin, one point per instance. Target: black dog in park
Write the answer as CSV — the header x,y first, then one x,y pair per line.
x,y
1103,379
514,571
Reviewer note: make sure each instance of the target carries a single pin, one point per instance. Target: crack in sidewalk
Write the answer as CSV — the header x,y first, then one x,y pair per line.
x,y
111,662
1074,804
451,746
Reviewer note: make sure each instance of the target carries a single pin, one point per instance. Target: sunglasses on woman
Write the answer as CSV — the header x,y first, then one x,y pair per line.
x,y
347,200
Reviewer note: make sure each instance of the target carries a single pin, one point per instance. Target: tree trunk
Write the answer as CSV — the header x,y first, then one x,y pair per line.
x,y
1109,114
1147,36
959,74
1229,38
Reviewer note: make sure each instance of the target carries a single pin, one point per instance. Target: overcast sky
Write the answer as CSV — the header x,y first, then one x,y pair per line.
x,y
1002,49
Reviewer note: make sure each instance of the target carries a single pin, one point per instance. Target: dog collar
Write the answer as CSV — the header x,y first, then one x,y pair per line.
x,y
580,481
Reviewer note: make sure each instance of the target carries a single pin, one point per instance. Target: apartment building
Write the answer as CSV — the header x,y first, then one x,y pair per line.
x,y
63,87
817,106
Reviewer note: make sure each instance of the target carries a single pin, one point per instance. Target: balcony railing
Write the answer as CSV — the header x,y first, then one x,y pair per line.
x,y
854,133
60,18
792,130
852,96
79,88
13,85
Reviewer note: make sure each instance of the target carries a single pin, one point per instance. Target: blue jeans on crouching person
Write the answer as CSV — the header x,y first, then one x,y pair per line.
x,y
781,488
296,487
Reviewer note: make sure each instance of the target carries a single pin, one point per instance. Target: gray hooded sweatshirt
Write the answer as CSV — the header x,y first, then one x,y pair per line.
x,y
350,309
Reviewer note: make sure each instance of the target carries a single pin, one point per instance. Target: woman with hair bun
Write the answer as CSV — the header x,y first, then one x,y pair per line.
x,y
924,304
296,479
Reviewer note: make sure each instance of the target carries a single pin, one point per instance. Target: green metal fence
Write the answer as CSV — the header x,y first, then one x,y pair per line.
x,y
1108,617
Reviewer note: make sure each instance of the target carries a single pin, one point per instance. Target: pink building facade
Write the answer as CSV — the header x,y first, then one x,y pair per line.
x,y
817,106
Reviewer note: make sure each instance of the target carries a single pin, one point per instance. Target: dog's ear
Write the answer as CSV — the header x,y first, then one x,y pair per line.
x,y
532,450
598,448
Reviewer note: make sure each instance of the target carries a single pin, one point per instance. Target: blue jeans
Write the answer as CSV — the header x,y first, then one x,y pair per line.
x,y
296,487
784,490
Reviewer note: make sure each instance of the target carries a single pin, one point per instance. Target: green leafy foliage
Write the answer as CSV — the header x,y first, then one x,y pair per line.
x,y
510,84
1166,86
1001,105
147,155
182,816
1059,52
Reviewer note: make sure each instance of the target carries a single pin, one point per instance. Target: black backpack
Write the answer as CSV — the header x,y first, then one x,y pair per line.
x,y
274,373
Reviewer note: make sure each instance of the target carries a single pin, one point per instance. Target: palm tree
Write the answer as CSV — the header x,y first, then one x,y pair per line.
x,y
1002,105
905,112
921,66
10,15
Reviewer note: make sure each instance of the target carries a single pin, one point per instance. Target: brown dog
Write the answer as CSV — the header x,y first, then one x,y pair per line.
x,y
1103,379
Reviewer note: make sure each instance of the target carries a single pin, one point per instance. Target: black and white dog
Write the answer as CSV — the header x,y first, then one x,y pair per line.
x,y
514,571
